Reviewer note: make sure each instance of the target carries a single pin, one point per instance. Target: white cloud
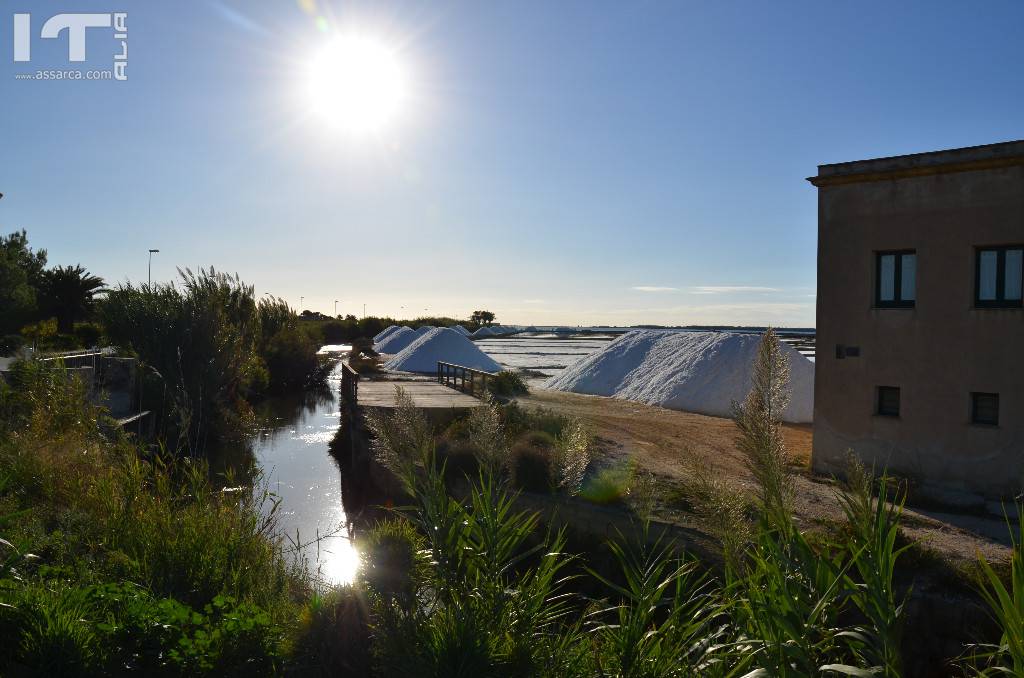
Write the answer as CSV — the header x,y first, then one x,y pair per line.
x,y
732,289
653,288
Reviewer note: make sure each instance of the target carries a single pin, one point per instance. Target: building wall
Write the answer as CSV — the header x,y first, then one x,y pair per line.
x,y
937,352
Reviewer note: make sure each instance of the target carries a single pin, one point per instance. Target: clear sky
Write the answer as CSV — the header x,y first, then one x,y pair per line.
x,y
556,162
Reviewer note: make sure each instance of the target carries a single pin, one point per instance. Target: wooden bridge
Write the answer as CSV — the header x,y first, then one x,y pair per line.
x,y
426,393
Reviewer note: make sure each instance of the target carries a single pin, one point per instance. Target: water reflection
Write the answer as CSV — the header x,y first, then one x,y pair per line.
x,y
292,448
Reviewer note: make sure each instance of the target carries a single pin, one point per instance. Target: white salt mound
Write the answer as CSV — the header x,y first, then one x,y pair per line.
x,y
396,341
423,330
461,330
701,372
483,332
443,344
380,336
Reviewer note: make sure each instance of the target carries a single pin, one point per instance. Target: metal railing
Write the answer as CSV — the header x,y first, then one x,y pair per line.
x,y
349,386
73,359
465,379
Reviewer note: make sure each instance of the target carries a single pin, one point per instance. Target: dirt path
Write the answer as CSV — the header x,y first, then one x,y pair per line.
x,y
666,443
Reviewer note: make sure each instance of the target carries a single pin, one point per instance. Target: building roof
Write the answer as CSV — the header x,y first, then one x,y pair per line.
x,y
989,156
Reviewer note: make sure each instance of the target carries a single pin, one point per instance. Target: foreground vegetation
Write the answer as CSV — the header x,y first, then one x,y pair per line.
x,y
116,560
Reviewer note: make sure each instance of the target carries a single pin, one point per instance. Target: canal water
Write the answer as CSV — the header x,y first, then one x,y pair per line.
x,y
293,449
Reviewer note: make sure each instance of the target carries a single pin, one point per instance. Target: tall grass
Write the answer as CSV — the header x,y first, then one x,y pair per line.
x,y
760,439
1005,602
495,601
210,345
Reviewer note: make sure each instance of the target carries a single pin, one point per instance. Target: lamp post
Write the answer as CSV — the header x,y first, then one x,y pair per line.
x,y
335,308
149,276
301,300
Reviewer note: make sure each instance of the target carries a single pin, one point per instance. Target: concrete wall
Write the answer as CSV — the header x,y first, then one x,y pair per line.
x,y
937,352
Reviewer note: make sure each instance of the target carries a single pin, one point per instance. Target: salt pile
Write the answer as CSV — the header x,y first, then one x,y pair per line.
x,y
441,344
483,332
461,330
396,341
701,372
423,330
380,336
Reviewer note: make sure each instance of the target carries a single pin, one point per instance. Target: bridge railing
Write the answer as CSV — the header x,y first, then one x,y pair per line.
x,y
349,386
461,378
72,359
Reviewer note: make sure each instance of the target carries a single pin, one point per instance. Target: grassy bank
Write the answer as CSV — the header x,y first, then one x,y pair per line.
x,y
117,561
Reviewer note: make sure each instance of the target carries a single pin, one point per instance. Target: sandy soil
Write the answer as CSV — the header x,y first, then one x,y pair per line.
x,y
666,442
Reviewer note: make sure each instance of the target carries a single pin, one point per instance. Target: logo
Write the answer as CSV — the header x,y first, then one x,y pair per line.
x,y
77,27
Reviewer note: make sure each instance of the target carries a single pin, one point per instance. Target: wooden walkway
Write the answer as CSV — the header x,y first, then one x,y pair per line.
x,y
427,395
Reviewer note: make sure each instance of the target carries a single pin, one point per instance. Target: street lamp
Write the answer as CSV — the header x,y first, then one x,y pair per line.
x,y
301,300
335,308
149,282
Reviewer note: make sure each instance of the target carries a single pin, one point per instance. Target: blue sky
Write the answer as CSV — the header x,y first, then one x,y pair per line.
x,y
555,162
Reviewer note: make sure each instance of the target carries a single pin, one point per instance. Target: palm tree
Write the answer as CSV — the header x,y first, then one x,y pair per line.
x,y
68,293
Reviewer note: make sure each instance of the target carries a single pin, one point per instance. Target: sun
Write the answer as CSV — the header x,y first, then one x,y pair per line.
x,y
357,83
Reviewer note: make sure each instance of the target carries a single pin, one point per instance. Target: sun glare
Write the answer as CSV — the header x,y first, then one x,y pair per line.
x,y
357,84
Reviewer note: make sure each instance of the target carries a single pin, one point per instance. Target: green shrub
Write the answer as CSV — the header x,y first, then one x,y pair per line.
x,y
211,543
39,333
332,637
393,565
291,359
460,458
88,334
507,384
59,629
11,343
608,485
530,468
334,332
532,462
62,342
363,345
518,420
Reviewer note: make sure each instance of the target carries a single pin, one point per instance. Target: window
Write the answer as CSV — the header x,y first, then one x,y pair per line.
x,y
888,401
985,408
896,279
998,279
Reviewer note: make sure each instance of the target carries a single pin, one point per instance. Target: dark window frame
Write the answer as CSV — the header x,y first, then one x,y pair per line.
x,y
974,409
897,280
879,409
999,301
